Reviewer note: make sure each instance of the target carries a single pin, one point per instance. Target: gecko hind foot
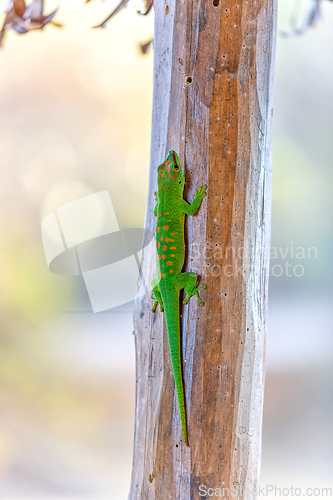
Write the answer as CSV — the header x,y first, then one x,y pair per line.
x,y
156,295
195,292
155,304
188,282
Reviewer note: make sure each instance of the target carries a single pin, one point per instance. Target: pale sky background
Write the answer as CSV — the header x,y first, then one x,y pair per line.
x,y
75,120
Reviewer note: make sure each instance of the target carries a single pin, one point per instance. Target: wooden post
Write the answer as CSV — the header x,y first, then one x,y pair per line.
x,y
212,104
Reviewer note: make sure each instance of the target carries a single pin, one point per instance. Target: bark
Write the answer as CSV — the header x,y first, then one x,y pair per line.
x,y
212,103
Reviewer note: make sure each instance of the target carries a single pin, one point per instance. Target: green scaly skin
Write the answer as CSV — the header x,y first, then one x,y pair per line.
x,y
170,211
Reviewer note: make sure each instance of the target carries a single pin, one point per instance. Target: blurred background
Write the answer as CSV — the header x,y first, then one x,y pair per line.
x,y
75,120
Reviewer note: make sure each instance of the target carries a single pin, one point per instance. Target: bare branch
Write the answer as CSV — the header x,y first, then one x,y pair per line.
x,y
311,19
120,6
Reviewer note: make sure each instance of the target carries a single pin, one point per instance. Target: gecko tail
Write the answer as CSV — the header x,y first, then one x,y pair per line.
x,y
181,403
185,436
171,309
182,408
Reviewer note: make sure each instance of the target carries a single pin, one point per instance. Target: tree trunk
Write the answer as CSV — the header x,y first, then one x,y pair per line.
x,y
212,104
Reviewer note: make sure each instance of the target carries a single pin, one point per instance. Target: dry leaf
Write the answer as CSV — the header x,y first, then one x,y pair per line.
x,y
145,46
23,18
147,8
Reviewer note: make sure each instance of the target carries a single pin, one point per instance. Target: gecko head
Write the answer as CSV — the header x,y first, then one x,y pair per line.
x,y
170,174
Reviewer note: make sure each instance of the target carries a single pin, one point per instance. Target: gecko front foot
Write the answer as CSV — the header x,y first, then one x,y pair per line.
x,y
201,192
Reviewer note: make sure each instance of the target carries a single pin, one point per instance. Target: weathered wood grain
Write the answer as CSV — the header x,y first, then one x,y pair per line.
x,y
212,103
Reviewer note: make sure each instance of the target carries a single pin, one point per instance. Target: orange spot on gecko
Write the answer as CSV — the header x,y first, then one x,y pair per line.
x,y
163,275
173,248
164,256
160,215
165,247
168,239
169,220
166,213
173,254
173,234
166,228
168,263
158,229
161,175
171,271
161,238
159,257
165,165
158,245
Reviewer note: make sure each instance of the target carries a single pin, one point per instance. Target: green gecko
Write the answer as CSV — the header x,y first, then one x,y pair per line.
x,y
170,211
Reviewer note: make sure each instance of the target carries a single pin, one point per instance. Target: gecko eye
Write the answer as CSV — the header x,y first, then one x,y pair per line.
x,y
176,167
